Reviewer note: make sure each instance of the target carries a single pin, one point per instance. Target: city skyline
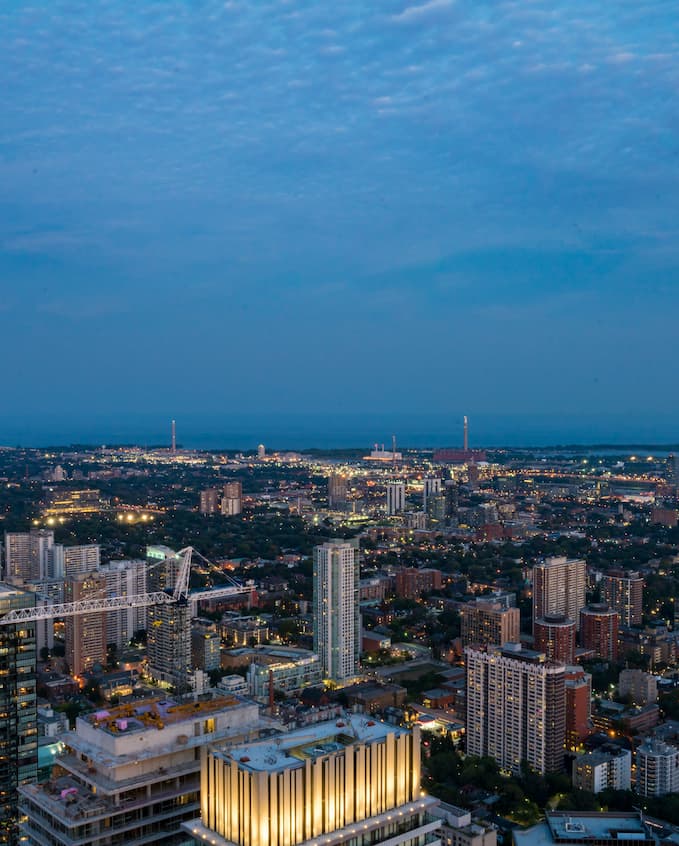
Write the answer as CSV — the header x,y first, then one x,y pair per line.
x,y
317,203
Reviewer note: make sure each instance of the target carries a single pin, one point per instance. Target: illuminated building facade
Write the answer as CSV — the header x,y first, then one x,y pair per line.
x,y
559,586
599,630
515,708
354,781
624,591
337,630
18,708
555,636
487,622
131,774
85,633
396,497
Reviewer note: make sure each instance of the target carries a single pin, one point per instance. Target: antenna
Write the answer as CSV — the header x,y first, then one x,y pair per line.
x,y
174,437
393,449
466,434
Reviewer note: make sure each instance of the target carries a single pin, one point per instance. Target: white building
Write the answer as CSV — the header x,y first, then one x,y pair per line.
x,y
27,555
69,561
559,587
609,769
125,578
290,670
515,708
431,486
337,631
131,774
657,768
396,497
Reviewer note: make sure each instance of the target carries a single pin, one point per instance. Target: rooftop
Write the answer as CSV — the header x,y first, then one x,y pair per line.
x,y
313,741
155,713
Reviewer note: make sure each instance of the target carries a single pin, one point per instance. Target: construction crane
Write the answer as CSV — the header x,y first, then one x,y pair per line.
x,y
117,603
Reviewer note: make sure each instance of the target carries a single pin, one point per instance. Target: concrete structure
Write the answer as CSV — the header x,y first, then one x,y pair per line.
x,y
69,561
599,630
326,783
609,769
657,768
337,630
485,622
555,636
284,668
206,646
578,688
85,633
18,706
412,582
209,501
515,708
573,828
559,586
232,501
640,686
169,645
457,828
124,578
396,497
623,591
431,485
244,631
27,555
337,490
131,774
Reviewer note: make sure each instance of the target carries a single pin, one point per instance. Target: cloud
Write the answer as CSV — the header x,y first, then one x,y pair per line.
x,y
415,13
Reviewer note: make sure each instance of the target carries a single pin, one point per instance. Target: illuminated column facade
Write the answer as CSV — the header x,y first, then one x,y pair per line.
x,y
338,788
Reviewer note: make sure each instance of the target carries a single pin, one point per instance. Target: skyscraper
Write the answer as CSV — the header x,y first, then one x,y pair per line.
x,y
209,501
124,578
515,708
430,486
624,591
168,645
337,637
232,501
555,636
559,586
85,633
396,497
27,554
337,490
599,630
18,712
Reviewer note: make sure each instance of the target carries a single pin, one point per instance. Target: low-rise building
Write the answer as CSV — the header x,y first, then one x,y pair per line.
x,y
608,768
457,828
287,669
641,687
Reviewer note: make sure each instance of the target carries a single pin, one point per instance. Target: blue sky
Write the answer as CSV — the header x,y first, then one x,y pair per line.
x,y
285,205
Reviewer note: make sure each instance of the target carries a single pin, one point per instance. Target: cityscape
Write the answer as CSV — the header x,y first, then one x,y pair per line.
x,y
390,645
339,431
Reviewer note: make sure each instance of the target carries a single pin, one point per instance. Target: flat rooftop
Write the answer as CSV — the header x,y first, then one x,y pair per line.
x,y
155,713
313,741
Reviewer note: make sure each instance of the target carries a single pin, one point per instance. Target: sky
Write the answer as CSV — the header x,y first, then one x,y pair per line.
x,y
292,206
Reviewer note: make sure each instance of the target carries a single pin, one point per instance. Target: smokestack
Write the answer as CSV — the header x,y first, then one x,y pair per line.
x,y
466,434
174,437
